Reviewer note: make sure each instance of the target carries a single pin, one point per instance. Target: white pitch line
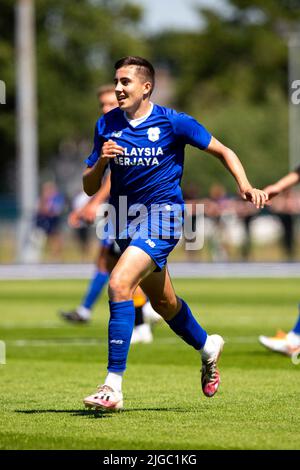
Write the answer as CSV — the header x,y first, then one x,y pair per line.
x,y
29,326
96,342
178,270
41,343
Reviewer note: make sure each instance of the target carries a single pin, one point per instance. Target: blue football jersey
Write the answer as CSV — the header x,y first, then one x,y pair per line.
x,y
151,168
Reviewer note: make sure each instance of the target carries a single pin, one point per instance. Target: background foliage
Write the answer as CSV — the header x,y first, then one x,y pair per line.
x,y
231,75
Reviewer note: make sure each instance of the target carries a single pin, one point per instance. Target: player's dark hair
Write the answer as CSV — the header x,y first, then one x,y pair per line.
x,y
143,65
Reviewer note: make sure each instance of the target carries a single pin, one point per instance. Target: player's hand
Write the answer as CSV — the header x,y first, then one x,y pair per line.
x,y
272,190
74,219
256,196
89,213
111,149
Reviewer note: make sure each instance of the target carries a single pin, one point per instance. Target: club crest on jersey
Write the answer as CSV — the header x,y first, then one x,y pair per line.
x,y
153,133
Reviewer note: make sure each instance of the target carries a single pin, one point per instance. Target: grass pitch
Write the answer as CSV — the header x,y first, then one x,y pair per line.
x,y
51,366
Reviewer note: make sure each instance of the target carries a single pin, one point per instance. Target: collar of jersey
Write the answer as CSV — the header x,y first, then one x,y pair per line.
x,y
138,121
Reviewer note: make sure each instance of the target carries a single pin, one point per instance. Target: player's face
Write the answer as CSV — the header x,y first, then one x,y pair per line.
x,y
131,88
108,101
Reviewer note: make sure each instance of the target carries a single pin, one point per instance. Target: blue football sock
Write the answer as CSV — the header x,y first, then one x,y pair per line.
x,y
186,326
120,328
296,328
95,288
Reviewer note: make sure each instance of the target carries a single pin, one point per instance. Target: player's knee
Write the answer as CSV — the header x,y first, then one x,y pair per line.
x,y
118,288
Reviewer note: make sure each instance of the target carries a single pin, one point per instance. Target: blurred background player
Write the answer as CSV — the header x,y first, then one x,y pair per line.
x,y
49,217
81,228
285,343
109,252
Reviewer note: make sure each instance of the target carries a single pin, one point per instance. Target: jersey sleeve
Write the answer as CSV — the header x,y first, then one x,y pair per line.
x,y
98,142
190,131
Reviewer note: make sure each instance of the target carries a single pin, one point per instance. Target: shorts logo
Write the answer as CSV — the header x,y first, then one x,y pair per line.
x,y
150,243
153,133
116,134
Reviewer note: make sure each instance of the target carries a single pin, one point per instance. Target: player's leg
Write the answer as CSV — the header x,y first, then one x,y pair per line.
x,y
142,330
55,240
99,280
177,314
82,313
285,343
133,266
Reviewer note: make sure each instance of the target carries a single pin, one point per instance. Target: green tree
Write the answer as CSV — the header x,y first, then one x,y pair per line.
x,y
232,76
76,46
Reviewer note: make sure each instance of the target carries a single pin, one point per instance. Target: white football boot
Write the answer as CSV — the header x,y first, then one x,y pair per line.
x,y
210,375
105,399
142,334
284,343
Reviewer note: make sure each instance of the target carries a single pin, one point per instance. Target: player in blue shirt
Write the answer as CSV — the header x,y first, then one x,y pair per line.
x,y
144,145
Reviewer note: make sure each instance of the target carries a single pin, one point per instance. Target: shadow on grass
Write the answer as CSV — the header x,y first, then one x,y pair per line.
x,y
166,408
86,413
105,414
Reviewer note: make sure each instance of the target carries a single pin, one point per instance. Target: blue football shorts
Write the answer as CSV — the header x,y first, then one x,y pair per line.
x,y
157,237
157,249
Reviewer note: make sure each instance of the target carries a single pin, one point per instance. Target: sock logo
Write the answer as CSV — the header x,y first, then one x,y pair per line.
x,y
116,341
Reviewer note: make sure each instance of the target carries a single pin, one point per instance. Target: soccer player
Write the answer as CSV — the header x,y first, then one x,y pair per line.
x,y
285,343
108,253
144,145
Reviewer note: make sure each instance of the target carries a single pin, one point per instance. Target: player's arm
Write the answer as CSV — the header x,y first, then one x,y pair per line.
x,y
89,211
74,218
192,132
286,182
103,193
92,177
234,165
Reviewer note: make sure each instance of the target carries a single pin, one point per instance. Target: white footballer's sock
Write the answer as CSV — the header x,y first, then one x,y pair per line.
x,y
114,380
208,349
84,312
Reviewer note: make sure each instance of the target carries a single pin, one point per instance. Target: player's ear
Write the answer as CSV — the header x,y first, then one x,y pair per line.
x,y
147,88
